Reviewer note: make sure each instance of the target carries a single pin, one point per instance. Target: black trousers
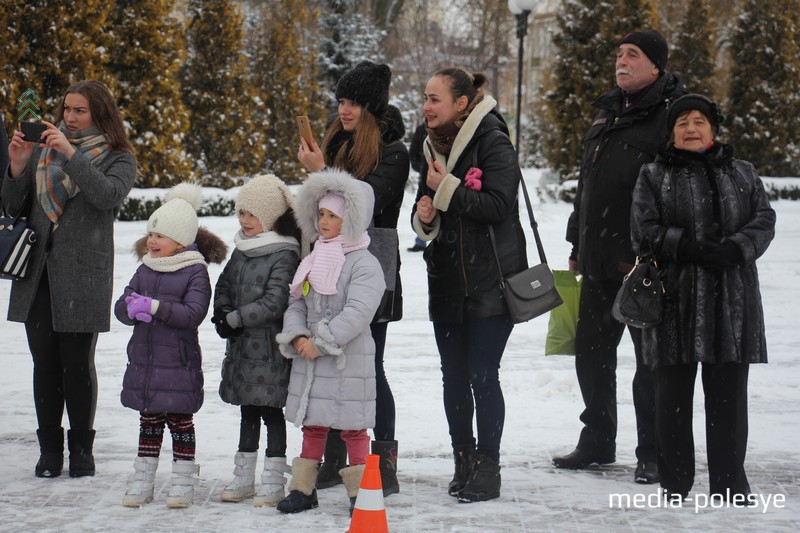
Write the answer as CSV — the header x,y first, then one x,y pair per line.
x,y
384,401
725,389
63,367
596,342
250,429
470,354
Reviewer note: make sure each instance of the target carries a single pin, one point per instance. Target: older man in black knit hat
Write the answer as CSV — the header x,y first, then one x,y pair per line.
x,y
627,132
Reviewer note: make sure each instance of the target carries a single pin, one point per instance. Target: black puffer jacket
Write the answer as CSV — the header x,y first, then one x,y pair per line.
x,y
615,148
388,181
463,280
710,316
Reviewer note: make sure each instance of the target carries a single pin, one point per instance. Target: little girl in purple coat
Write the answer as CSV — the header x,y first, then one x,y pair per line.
x,y
165,302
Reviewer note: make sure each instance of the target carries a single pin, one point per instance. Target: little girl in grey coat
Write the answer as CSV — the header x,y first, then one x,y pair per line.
x,y
333,297
250,298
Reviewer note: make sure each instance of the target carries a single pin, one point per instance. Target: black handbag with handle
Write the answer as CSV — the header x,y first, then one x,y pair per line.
x,y
16,244
639,302
532,292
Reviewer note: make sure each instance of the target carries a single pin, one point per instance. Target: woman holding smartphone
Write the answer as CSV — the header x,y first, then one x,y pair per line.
x,y
471,179
365,138
71,182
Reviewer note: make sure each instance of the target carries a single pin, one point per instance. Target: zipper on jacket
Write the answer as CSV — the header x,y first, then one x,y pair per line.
x,y
149,371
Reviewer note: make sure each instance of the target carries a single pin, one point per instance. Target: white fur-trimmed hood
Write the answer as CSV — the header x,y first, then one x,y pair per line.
x,y
359,203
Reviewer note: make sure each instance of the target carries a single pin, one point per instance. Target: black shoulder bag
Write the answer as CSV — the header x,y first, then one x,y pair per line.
x,y
532,292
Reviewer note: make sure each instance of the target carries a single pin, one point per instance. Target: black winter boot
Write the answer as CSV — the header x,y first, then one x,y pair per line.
x,y
484,481
335,459
302,494
81,460
387,450
51,447
463,460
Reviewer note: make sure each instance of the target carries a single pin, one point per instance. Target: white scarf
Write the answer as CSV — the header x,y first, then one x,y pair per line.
x,y
245,244
173,263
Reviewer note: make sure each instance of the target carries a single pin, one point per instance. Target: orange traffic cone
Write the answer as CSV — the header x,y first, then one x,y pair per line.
x,y
369,514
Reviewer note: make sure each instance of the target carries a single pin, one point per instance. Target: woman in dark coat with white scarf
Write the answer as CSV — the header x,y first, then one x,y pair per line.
x,y
471,183
706,218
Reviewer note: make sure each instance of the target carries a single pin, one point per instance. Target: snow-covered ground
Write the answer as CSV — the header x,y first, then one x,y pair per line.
x,y
542,402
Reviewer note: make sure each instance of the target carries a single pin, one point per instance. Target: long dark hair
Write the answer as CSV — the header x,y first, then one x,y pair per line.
x,y
104,110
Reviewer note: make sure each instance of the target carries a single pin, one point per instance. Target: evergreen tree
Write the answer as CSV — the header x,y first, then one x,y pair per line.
x,y
285,80
765,86
692,46
148,49
583,70
350,37
12,53
225,135
54,56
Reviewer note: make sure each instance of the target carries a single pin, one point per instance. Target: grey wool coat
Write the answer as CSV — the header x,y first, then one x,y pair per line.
x,y
79,254
709,316
337,389
256,283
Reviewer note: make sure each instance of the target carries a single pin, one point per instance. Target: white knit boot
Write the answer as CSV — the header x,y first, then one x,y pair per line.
x,y
273,482
140,489
244,478
185,475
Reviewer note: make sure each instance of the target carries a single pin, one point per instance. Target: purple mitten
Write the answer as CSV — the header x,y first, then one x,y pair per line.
x,y
139,305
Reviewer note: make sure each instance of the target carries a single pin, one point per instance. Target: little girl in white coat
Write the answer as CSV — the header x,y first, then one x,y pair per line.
x,y
333,297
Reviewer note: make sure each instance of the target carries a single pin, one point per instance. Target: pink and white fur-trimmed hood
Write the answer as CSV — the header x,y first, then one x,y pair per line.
x,y
359,203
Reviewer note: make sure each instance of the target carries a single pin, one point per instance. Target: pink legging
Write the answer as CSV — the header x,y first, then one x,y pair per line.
x,y
356,440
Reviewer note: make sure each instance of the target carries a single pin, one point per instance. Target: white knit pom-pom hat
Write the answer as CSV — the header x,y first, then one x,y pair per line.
x,y
177,218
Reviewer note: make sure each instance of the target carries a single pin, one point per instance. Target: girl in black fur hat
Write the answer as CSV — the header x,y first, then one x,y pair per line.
x,y
365,138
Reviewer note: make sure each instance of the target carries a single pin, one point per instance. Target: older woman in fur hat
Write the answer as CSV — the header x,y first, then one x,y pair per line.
x,y
706,218
365,138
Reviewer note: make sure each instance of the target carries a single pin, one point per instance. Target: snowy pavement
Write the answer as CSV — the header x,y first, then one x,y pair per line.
x,y
542,405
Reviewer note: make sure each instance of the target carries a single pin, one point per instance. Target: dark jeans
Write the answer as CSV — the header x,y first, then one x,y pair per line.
x,y
63,367
384,402
470,354
250,429
725,389
596,342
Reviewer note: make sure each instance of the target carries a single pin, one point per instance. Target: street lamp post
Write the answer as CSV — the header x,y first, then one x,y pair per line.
x,y
520,8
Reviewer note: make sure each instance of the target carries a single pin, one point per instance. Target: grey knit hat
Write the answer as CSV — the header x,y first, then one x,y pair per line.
x,y
267,197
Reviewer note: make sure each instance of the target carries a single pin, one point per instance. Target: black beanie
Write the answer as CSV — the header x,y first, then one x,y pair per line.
x,y
367,84
652,43
690,102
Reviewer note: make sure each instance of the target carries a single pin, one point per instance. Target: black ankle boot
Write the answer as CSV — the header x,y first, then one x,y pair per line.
x,y
81,460
51,446
387,451
296,502
463,461
335,459
484,481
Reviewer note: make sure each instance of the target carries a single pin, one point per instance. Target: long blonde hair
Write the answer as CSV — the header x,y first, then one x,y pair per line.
x,y
366,152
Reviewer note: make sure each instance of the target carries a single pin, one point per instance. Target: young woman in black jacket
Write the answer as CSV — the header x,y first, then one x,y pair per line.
x,y
471,183
365,138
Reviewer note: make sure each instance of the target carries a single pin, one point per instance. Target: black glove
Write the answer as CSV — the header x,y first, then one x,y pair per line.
x,y
690,251
224,329
719,256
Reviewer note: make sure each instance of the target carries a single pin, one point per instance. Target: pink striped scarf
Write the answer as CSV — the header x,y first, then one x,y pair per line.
x,y
323,265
